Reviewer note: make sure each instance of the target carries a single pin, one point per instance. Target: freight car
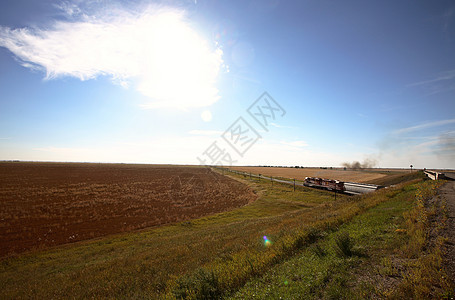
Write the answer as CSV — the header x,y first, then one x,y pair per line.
x,y
328,184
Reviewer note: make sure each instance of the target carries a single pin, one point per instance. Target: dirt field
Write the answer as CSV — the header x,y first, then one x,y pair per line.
x,y
47,204
363,176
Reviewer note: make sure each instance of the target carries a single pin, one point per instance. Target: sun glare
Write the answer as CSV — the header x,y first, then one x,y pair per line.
x,y
180,68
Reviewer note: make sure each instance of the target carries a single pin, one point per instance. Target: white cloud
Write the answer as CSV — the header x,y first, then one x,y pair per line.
x,y
68,8
447,75
281,126
286,153
185,150
295,143
206,132
57,149
430,151
155,51
169,150
424,126
441,83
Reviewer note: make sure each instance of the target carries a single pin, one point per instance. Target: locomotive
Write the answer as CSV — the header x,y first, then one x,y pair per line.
x,y
328,184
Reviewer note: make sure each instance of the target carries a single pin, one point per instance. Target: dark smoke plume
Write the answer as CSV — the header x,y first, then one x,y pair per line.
x,y
355,165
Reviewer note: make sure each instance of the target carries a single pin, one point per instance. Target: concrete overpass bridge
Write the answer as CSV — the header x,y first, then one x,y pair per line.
x,y
435,175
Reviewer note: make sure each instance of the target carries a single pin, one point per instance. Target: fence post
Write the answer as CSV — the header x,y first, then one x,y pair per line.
x,y
294,184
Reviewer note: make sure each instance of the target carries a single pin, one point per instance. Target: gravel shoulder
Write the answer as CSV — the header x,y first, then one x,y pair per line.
x,y
447,196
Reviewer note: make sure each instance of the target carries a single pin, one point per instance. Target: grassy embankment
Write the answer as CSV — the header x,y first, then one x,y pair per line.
x,y
218,255
386,252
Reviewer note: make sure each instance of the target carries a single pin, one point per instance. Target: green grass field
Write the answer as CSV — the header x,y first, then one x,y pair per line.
x,y
316,247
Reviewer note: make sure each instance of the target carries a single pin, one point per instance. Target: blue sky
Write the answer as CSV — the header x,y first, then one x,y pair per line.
x,y
162,81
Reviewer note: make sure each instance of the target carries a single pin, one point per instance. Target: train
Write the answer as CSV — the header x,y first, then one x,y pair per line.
x,y
328,184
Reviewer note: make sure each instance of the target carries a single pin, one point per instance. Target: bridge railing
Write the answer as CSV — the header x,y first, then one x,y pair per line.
x,y
434,175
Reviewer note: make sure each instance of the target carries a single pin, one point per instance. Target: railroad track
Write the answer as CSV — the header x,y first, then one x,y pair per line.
x,y
352,188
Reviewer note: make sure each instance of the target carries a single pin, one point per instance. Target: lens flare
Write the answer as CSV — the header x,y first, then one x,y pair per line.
x,y
267,242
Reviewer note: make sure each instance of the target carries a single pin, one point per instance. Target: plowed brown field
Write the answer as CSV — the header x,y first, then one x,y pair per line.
x,y
47,204
362,176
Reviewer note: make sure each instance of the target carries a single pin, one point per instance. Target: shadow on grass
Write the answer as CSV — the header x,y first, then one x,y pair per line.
x,y
345,246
